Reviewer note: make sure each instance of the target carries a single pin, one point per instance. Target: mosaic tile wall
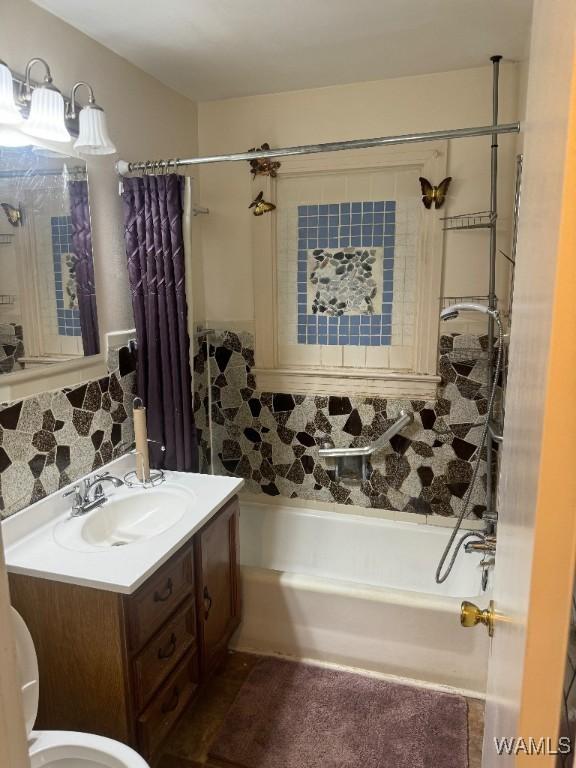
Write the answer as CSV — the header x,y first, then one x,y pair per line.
x,y
272,439
51,439
11,346
345,276
346,273
67,312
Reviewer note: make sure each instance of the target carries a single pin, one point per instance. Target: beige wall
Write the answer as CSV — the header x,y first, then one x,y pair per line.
x,y
147,120
362,110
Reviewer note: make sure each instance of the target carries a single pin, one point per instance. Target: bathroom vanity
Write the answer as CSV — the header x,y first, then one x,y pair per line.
x,y
124,657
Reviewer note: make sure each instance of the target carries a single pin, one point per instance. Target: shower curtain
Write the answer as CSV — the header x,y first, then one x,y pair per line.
x,y
153,212
84,273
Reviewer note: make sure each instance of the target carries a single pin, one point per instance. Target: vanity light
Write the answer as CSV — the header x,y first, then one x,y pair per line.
x,y
9,112
93,137
9,137
46,119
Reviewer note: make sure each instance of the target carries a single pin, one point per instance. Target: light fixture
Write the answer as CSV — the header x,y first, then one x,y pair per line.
x,y
9,112
93,137
48,113
9,137
46,118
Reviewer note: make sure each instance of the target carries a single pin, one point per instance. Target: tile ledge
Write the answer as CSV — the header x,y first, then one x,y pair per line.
x,y
370,382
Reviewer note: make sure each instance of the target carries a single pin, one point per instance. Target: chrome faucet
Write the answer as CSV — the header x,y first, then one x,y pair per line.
x,y
85,501
486,544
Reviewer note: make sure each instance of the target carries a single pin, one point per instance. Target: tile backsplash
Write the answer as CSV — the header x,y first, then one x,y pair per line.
x,y
272,438
51,439
11,346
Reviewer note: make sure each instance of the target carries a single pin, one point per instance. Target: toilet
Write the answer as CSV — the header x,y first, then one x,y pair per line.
x,y
62,749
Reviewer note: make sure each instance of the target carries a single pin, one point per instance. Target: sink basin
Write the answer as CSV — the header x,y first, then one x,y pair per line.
x,y
127,517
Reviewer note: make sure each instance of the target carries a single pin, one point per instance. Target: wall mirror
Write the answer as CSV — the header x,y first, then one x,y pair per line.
x,y
47,293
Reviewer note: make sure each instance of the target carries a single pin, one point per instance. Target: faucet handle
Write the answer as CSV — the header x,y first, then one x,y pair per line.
x,y
73,491
78,502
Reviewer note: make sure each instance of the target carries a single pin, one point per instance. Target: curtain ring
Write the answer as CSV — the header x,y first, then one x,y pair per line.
x,y
147,167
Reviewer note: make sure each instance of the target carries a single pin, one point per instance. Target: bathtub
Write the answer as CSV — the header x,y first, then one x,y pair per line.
x,y
359,592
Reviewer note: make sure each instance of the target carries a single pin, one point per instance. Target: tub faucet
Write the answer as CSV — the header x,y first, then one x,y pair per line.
x,y
487,544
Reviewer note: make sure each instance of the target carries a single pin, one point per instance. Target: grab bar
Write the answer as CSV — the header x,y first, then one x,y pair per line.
x,y
405,418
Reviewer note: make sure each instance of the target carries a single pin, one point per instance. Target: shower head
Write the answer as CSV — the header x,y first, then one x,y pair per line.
x,y
452,312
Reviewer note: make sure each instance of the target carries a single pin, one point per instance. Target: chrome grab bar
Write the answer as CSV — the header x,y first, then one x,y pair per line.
x,y
405,418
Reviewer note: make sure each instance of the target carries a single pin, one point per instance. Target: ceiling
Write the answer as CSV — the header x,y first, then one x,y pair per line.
x,y
214,49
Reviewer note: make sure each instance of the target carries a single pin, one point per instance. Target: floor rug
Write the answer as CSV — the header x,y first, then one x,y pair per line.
x,y
292,715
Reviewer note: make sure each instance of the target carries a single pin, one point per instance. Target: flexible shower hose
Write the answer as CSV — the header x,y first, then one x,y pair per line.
x,y
441,577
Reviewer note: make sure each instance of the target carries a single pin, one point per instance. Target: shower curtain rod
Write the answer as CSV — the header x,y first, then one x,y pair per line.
x,y
164,166
77,170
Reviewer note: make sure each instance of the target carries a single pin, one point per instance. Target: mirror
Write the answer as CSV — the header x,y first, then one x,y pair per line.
x,y
47,293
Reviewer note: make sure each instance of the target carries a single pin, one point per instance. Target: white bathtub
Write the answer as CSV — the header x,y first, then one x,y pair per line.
x,y
360,592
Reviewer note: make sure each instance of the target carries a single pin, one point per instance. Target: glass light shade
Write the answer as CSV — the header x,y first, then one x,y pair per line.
x,y
93,138
9,112
46,119
10,137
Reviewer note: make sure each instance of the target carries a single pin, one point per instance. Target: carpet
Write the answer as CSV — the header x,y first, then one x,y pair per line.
x,y
292,715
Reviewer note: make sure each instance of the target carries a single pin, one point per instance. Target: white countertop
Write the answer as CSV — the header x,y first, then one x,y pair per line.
x,y
32,548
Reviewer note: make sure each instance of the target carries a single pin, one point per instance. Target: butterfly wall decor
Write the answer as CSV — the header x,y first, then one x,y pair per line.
x,y
263,166
432,194
14,215
260,205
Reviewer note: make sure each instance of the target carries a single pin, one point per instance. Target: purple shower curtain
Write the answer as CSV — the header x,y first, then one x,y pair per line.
x,y
155,253
82,247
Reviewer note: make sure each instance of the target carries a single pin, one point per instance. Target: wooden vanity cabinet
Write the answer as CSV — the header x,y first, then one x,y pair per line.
x,y
216,559
127,666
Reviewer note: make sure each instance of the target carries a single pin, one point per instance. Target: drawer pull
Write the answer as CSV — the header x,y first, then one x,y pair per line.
x,y
207,602
162,597
173,703
165,653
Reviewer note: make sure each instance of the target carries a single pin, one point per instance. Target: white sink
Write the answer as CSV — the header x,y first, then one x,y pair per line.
x,y
126,517
119,545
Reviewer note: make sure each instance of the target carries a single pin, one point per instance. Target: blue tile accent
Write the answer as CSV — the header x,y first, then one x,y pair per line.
x,y
61,230
364,224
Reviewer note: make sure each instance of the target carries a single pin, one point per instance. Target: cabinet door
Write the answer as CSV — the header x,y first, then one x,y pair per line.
x,y
217,587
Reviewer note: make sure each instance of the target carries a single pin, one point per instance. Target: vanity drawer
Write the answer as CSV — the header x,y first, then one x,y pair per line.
x,y
154,663
153,603
156,721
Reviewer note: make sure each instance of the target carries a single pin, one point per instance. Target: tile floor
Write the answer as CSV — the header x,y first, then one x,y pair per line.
x,y
189,744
